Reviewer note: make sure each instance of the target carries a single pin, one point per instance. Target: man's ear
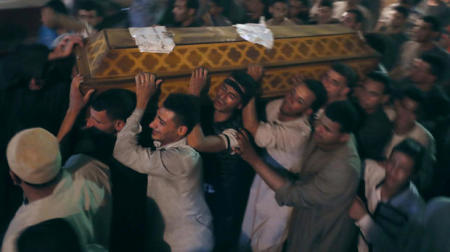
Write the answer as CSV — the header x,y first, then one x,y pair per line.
x,y
344,137
182,130
118,125
16,180
345,91
384,99
191,12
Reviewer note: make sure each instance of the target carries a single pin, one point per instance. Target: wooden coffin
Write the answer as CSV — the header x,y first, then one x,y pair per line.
x,y
110,59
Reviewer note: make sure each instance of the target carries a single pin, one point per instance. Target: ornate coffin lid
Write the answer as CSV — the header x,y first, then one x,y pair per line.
x,y
111,57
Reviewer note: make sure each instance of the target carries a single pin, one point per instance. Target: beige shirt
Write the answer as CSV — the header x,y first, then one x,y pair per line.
x,y
74,200
174,184
265,222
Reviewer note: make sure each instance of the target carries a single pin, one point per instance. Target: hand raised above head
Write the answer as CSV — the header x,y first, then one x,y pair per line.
x,y
198,81
65,47
77,100
255,71
146,86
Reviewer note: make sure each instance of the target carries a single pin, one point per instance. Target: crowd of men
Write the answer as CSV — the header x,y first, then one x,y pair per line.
x,y
341,163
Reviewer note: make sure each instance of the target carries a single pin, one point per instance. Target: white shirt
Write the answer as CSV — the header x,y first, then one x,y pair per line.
x,y
174,183
265,222
74,200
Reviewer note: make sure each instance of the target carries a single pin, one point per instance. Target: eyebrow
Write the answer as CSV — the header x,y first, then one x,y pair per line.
x,y
159,118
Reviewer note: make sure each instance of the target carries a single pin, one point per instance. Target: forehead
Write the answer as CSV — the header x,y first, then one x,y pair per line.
x,y
336,76
402,160
330,124
165,114
374,86
279,5
304,92
409,104
99,115
295,3
180,3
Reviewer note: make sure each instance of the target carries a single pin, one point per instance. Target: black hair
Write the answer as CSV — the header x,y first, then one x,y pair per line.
x,y
319,92
272,2
247,83
90,5
57,6
350,75
326,3
52,235
192,4
344,113
359,17
118,103
413,149
412,93
436,25
186,108
437,64
381,78
402,10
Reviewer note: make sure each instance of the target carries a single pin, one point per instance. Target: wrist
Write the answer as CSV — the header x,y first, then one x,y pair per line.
x,y
141,105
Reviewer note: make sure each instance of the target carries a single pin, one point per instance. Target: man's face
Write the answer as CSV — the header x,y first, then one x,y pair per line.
x,y
165,128
399,168
350,21
180,11
325,13
423,32
406,110
336,86
214,9
420,71
327,132
295,7
89,16
101,121
255,8
398,20
370,96
297,101
47,17
227,99
278,10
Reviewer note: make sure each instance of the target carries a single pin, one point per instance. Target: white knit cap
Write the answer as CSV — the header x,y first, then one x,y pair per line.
x,y
33,155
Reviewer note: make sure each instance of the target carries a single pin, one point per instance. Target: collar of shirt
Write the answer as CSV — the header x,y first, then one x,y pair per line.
x,y
181,142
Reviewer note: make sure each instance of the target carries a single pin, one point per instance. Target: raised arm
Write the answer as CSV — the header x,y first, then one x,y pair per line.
x,y
77,102
249,113
196,139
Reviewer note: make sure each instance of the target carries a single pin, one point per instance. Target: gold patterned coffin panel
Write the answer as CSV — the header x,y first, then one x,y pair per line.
x,y
111,58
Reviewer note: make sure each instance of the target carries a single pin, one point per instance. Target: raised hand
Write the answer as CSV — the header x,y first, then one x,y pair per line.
x,y
146,86
198,80
297,79
77,100
255,71
65,47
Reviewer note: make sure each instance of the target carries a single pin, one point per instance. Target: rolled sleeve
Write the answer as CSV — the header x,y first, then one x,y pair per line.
x,y
279,136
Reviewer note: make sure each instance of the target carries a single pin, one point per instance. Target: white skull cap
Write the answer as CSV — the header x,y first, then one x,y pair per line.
x,y
34,156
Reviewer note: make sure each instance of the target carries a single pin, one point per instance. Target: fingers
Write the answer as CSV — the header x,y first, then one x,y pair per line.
x,y
88,95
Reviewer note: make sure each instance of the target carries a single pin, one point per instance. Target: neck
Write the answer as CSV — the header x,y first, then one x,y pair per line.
x,y
286,118
187,22
222,116
427,45
424,86
33,194
403,130
387,192
329,147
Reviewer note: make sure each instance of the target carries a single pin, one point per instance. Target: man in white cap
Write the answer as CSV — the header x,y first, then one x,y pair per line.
x,y
49,191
